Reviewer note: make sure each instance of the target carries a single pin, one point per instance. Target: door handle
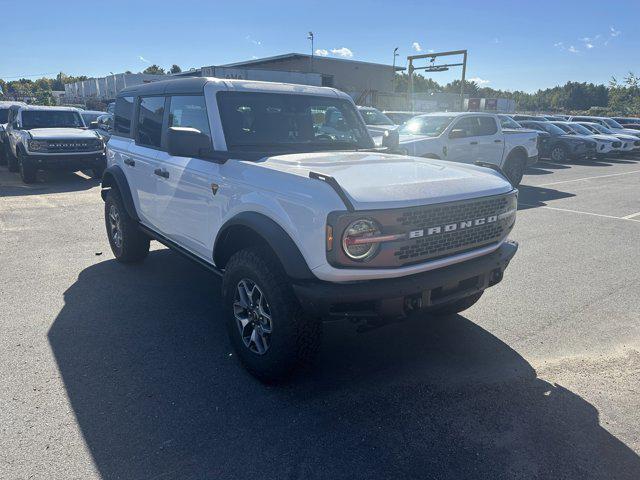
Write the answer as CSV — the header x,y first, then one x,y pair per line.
x,y
161,173
129,161
497,141
473,143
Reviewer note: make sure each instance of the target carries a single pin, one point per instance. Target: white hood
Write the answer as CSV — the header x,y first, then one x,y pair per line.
x,y
377,180
61,133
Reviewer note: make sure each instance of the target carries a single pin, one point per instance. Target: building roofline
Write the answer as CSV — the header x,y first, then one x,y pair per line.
x,y
301,55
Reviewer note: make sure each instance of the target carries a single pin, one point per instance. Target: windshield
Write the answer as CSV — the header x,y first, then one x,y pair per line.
x,y
431,126
290,123
580,129
375,117
90,117
612,123
508,122
50,119
4,115
551,128
600,129
565,128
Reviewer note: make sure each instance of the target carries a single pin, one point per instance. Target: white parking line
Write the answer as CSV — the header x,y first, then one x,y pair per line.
x,y
627,218
588,178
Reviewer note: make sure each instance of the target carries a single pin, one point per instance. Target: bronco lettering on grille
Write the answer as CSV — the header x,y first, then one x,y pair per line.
x,y
450,227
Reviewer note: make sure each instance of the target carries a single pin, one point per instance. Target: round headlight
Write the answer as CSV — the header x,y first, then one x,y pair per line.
x,y
354,239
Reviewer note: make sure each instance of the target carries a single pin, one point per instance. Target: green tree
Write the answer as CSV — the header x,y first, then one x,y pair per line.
x,y
154,70
175,69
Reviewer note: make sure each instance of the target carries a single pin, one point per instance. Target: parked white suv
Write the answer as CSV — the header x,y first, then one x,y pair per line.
x,y
5,107
239,176
470,137
51,138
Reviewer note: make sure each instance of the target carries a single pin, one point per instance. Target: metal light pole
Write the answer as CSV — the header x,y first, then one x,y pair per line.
x,y
395,54
310,37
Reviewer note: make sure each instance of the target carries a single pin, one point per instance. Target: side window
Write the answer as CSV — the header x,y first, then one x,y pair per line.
x,y
189,111
122,116
469,125
150,114
487,126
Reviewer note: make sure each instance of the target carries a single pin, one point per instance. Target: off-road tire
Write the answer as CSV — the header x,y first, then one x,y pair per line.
x,y
12,161
295,337
457,306
28,172
133,245
514,168
3,153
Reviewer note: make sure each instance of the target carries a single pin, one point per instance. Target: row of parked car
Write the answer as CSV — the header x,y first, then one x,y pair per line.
x,y
510,142
39,138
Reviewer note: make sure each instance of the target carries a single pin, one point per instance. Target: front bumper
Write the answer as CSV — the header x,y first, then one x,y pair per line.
x,y
65,161
396,297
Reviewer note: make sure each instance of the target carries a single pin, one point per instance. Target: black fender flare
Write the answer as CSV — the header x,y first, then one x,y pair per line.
x,y
114,177
288,253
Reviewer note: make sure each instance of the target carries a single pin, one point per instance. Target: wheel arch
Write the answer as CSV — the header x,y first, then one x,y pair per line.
x,y
251,228
518,150
114,177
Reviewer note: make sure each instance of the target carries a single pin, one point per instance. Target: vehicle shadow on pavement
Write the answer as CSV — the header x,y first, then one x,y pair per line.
x,y
157,394
48,182
531,197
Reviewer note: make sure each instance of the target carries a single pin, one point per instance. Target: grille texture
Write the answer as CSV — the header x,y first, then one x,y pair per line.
x,y
445,229
72,146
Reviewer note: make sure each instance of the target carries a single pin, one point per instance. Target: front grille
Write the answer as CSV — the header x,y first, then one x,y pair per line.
x,y
617,144
445,229
72,146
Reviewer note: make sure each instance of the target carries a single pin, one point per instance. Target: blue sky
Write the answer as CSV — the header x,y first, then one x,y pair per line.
x,y
512,44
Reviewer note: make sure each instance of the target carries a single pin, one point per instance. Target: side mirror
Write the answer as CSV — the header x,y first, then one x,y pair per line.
x,y
94,125
187,142
457,133
391,139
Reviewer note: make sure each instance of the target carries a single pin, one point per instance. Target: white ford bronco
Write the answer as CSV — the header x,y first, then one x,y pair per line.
x,y
51,138
239,176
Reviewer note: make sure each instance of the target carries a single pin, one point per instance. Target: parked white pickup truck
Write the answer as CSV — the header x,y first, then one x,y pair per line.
x,y
470,137
302,226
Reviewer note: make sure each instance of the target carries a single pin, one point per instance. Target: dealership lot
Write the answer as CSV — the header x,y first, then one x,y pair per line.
x,y
113,371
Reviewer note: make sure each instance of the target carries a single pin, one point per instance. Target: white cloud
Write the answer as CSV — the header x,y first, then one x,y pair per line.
x,y
257,43
589,45
495,40
431,50
613,32
342,52
416,46
322,52
142,59
559,45
573,49
480,81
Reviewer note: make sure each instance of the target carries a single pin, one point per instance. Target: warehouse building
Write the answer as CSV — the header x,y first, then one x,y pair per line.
x,y
351,76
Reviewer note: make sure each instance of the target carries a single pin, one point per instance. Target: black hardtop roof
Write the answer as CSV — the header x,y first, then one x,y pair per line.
x,y
190,85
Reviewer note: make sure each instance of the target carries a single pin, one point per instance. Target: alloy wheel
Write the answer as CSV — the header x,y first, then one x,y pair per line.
x,y
253,316
115,226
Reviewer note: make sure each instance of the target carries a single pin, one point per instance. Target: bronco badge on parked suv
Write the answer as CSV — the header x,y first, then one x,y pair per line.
x,y
240,177
51,138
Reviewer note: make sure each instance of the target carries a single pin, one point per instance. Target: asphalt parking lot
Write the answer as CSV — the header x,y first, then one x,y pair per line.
x,y
125,372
